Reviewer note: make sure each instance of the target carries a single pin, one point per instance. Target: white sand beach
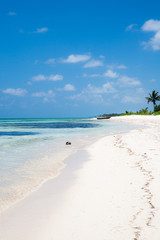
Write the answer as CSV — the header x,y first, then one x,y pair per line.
x,y
109,190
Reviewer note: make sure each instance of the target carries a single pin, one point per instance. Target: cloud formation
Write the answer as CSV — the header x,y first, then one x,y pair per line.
x,y
47,96
106,88
92,75
76,58
124,81
15,91
94,94
69,87
122,67
41,30
152,26
50,61
93,63
51,77
131,99
111,74
131,27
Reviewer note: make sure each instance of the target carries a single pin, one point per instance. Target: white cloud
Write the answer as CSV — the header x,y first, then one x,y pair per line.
x,y
16,92
106,88
115,96
47,96
76,58
153,80
131,27
12,13
39,94
88,97
110,66
101,56
43,94
131,99
111,74
39,77
52,77
92,75
94,94
50,61
122,67
69,87
128,81
152,26
41,30
140,90
154,42
56,77
134,96
93,63
113,66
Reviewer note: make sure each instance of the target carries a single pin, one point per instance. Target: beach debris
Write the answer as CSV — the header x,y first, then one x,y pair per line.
x,y
68,143
102,118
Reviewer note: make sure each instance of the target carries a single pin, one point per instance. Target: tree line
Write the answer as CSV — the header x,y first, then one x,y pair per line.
x,y
154,97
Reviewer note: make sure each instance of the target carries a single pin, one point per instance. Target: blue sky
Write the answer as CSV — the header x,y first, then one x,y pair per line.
x,y
77,58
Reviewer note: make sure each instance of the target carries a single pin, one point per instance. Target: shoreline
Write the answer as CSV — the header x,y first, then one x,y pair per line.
x,y
79,142
94,197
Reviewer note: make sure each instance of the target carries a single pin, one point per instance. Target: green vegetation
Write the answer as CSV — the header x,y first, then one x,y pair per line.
x,y
157,113
110,115
157,108
153,98
143,111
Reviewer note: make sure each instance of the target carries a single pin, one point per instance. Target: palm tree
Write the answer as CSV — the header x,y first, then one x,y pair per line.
x,y
153,97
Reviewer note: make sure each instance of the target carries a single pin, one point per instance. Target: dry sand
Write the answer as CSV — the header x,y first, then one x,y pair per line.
x,y
108,191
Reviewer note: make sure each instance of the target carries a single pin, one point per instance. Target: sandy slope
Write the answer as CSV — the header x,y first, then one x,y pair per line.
x,y
109,191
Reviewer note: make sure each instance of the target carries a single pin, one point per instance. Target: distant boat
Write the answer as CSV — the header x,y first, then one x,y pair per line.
x,y
102,118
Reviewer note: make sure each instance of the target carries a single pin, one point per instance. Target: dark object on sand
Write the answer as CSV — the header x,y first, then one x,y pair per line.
x,y
101,118
68,143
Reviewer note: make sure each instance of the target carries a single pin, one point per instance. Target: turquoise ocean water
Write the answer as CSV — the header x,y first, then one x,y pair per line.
x,y
34,150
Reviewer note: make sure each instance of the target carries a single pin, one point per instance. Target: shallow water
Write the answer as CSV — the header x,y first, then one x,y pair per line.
x,y
33,150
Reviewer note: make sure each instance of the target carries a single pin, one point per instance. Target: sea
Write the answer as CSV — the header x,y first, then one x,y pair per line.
x,y
34,150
